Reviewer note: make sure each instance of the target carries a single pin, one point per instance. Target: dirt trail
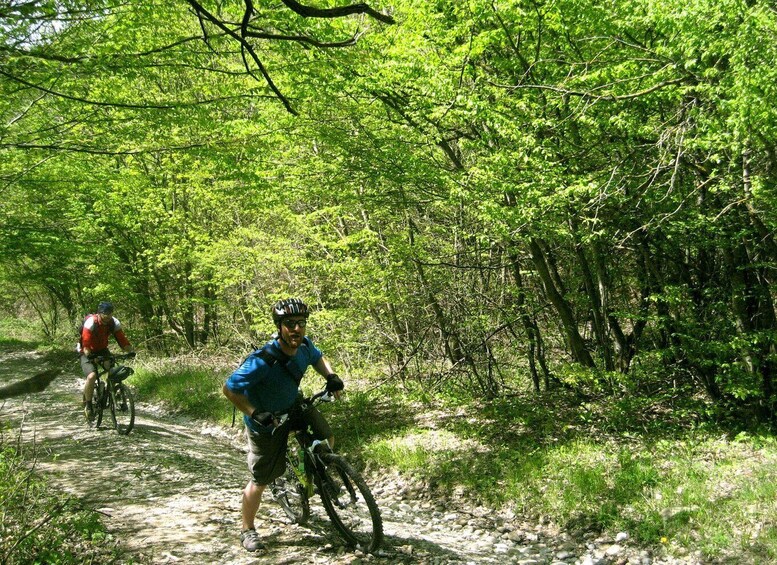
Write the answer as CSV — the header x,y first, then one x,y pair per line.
x,y
170,491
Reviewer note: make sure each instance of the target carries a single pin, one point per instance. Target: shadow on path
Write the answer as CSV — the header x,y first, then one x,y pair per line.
x,y
169,492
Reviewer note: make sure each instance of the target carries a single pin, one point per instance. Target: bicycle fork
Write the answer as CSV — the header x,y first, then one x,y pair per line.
x,y
119,402
332,487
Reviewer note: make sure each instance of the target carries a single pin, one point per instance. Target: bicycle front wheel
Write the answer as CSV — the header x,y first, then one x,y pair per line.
x,y
349,503
99,398
122,408
291,494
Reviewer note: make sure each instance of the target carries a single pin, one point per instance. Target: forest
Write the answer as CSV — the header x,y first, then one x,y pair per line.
x,y
474,195
557,217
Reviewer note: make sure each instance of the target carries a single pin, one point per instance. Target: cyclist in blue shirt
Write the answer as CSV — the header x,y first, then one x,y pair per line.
x,y
266,385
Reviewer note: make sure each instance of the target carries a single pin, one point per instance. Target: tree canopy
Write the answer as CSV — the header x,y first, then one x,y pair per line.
x,y
473,194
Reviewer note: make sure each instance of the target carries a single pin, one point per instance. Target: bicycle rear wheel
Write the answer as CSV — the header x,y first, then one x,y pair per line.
x,y
291,494
349,503
122,408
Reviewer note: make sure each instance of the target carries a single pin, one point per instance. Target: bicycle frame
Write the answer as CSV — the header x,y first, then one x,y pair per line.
x,y
345,496
110,392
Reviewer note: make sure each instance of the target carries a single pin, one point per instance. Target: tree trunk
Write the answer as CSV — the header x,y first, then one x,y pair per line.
x,y
454,349
529,326
574,340
594,297
624,345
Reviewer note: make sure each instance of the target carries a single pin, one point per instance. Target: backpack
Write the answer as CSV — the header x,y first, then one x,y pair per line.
x,y
272,355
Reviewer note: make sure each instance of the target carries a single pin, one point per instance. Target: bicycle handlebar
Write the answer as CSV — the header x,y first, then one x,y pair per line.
x,y
323,396
319,397
111,357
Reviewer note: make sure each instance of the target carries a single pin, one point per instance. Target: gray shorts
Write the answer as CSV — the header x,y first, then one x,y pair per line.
x,y
267,452
87,366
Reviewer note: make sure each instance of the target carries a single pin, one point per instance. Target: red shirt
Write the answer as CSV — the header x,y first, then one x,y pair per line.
x,y
94,335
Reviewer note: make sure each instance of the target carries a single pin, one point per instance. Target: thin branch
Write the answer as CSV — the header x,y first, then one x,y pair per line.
x,y
39,54
25,111
12,179
91,151
246,47
121,104
339,12
304,39
85,100
582,94
205,37
53,513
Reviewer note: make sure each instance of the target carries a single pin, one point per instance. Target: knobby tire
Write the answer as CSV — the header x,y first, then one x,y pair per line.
x,y
349,503
122,408
98,404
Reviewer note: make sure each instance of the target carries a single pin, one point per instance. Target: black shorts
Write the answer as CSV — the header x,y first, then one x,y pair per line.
x,y
267,452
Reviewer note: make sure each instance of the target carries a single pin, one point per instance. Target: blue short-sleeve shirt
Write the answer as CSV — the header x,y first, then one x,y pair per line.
x,y
271,387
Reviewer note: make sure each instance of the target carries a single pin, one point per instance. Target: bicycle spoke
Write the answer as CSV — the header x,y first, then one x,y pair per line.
x,y
122,408
350,504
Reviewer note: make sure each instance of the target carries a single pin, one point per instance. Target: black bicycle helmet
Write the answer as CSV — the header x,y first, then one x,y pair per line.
x,y
105,308
289,307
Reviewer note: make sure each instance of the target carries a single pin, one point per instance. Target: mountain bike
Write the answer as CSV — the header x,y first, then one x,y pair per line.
x,y
311,467
111,393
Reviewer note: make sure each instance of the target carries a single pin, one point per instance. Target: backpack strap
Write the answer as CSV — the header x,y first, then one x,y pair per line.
x,y
111,323
272,355
268,356
111,328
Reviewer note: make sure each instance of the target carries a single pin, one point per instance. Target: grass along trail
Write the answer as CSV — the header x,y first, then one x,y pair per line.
x,y
170,492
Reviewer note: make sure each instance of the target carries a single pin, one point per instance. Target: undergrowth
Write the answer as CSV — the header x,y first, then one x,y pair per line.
x,y
184,385
657,466
40,525
662,474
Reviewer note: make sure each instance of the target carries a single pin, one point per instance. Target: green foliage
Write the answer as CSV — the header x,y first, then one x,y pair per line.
x,y
685,490
190,390
15,331
41,526
481,189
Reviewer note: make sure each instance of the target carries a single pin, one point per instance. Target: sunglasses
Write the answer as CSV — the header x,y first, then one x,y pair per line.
x,y
291,324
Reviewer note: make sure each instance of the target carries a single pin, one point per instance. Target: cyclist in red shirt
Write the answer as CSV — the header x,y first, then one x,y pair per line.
x,y
95,334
